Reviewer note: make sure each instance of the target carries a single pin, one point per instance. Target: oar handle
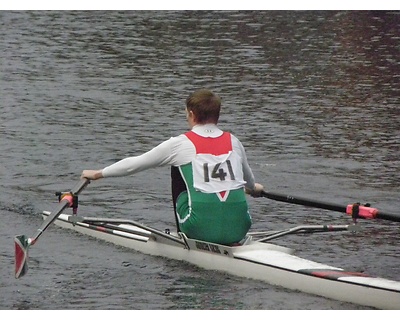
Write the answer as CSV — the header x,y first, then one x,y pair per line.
x,y
355,210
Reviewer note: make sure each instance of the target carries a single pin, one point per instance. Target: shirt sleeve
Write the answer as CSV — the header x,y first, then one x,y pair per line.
x,y
248,175
174,151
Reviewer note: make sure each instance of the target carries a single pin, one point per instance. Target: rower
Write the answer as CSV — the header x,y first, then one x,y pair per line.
x,y
210,174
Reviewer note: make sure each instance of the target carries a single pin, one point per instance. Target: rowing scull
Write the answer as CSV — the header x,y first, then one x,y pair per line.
x,y
255,259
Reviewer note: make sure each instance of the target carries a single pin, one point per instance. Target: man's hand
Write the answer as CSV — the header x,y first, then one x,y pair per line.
x,y
92,174
256,192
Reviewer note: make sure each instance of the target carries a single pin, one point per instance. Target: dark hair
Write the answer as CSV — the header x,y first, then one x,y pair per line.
x,y
205,106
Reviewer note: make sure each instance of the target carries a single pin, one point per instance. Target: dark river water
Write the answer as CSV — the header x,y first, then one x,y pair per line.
x,y
313,96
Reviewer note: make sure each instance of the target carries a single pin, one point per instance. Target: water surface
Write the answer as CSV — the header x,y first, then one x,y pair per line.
x,y
314,97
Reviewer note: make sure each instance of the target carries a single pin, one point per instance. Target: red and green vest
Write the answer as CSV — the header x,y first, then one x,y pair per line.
x,y
213,207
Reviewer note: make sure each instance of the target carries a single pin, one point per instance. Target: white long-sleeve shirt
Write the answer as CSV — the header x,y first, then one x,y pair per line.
x,y
176,151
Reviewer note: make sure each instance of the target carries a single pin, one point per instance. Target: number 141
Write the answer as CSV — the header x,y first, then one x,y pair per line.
x,y
218,172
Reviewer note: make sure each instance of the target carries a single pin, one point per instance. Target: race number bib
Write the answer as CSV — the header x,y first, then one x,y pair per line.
x,y
213,174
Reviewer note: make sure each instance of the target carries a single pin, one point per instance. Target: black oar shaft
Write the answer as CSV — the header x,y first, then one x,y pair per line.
x,y
328,206
64,203
22,243
304,202
388,216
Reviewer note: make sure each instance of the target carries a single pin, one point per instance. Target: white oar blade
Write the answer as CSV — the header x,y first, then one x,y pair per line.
x,y
21,255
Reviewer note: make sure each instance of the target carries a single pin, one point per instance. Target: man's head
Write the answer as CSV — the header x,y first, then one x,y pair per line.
x,y
203,107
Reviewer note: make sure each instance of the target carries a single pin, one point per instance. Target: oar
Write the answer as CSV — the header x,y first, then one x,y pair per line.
x,y
22,242
355,210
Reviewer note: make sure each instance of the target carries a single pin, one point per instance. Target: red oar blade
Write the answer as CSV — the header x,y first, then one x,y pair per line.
x,y
21,255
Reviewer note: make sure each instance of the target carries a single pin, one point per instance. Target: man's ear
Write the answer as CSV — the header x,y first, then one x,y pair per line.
x,y
191,115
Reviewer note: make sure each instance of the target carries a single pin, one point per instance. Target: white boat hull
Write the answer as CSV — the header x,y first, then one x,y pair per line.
x,y
272,264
